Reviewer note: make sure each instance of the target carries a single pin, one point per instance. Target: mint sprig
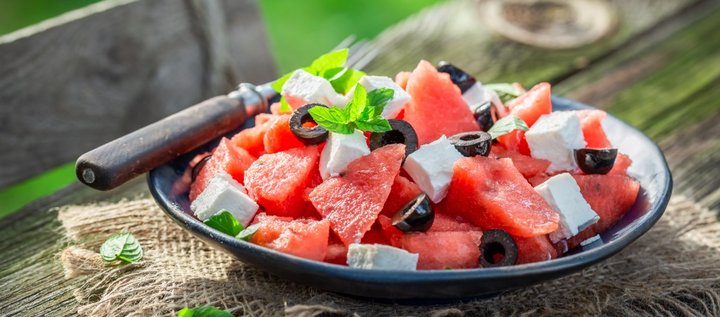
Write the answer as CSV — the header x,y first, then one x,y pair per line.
x,y
203,311
225,222
330,66
363,112
121,246
507,125
505,91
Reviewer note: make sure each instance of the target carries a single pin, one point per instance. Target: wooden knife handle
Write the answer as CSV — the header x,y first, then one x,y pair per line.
x,y
118,161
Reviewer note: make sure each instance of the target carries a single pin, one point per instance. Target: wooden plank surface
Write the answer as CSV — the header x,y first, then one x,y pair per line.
x,y
28,265
80,80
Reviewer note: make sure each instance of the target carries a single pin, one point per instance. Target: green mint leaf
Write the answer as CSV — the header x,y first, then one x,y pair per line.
x,y
248,232
507,125
284,105
330,60
333,119
343,78
121,246
225,222
505,91
378,99
278,84
377,124
354,109
203,311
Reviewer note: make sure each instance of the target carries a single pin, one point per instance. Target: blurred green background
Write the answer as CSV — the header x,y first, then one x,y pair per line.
x,y
288,24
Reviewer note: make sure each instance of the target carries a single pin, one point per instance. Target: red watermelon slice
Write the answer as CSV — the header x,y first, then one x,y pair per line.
x,y
445,222
492,194
443,250
529,167
401,79
591,124
610,196
226,158
276,181
352,202
528,107
622,163
403,191
535,249
301,237
279,137
251,139
437,107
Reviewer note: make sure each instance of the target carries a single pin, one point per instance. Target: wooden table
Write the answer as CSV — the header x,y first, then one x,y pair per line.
x,y
659,70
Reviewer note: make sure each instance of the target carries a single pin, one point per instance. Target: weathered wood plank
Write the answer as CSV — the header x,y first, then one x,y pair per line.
x,y
85,78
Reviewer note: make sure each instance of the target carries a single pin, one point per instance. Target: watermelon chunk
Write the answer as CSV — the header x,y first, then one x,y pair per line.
x,y
401,79
276,181
352,202
528,107
443,222
437,107
251,139
392,234
535,249
622,163
300,237
528,166
226,158
402,192
610,196
443,250
279,137
591,124
492,194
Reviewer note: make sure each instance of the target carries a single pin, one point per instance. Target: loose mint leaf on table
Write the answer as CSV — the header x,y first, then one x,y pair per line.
x,y
121,246
225,222
203,311
507,125
505,91
248,232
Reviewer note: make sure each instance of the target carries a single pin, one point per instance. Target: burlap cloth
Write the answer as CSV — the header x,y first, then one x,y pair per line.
x,y
672,270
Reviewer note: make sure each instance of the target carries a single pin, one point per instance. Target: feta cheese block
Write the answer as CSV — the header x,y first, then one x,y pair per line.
x,y
477,95
224,193
563,194
380,257
340,150
400,97
553,137
590,240
309,88
431,167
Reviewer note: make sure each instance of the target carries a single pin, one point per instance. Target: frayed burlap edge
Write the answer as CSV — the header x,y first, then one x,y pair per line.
x,y
672,270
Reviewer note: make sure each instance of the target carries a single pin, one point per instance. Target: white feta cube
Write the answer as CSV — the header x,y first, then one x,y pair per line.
x,y
312,89
563,194
478,95
431,167
224,193
590,240
340,150
400,97
380,257
553,137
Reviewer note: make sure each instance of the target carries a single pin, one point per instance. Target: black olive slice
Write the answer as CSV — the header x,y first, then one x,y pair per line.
x,y
416,215
402,133
196,169
483,115
459,77
309,136
472,143
595,161
497,248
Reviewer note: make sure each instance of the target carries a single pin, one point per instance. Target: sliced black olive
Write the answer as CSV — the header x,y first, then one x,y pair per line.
x,y
417,215
483,115
199,166
497,248
309,136
402,133
459,77
595,161
472,143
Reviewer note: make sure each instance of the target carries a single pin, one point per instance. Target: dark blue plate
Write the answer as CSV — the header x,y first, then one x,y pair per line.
x,y
169,185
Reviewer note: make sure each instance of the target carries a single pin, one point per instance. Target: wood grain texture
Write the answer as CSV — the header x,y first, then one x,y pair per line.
x,y
78,84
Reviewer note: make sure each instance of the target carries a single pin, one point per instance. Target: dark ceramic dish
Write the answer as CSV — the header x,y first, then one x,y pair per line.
x,y
170,188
